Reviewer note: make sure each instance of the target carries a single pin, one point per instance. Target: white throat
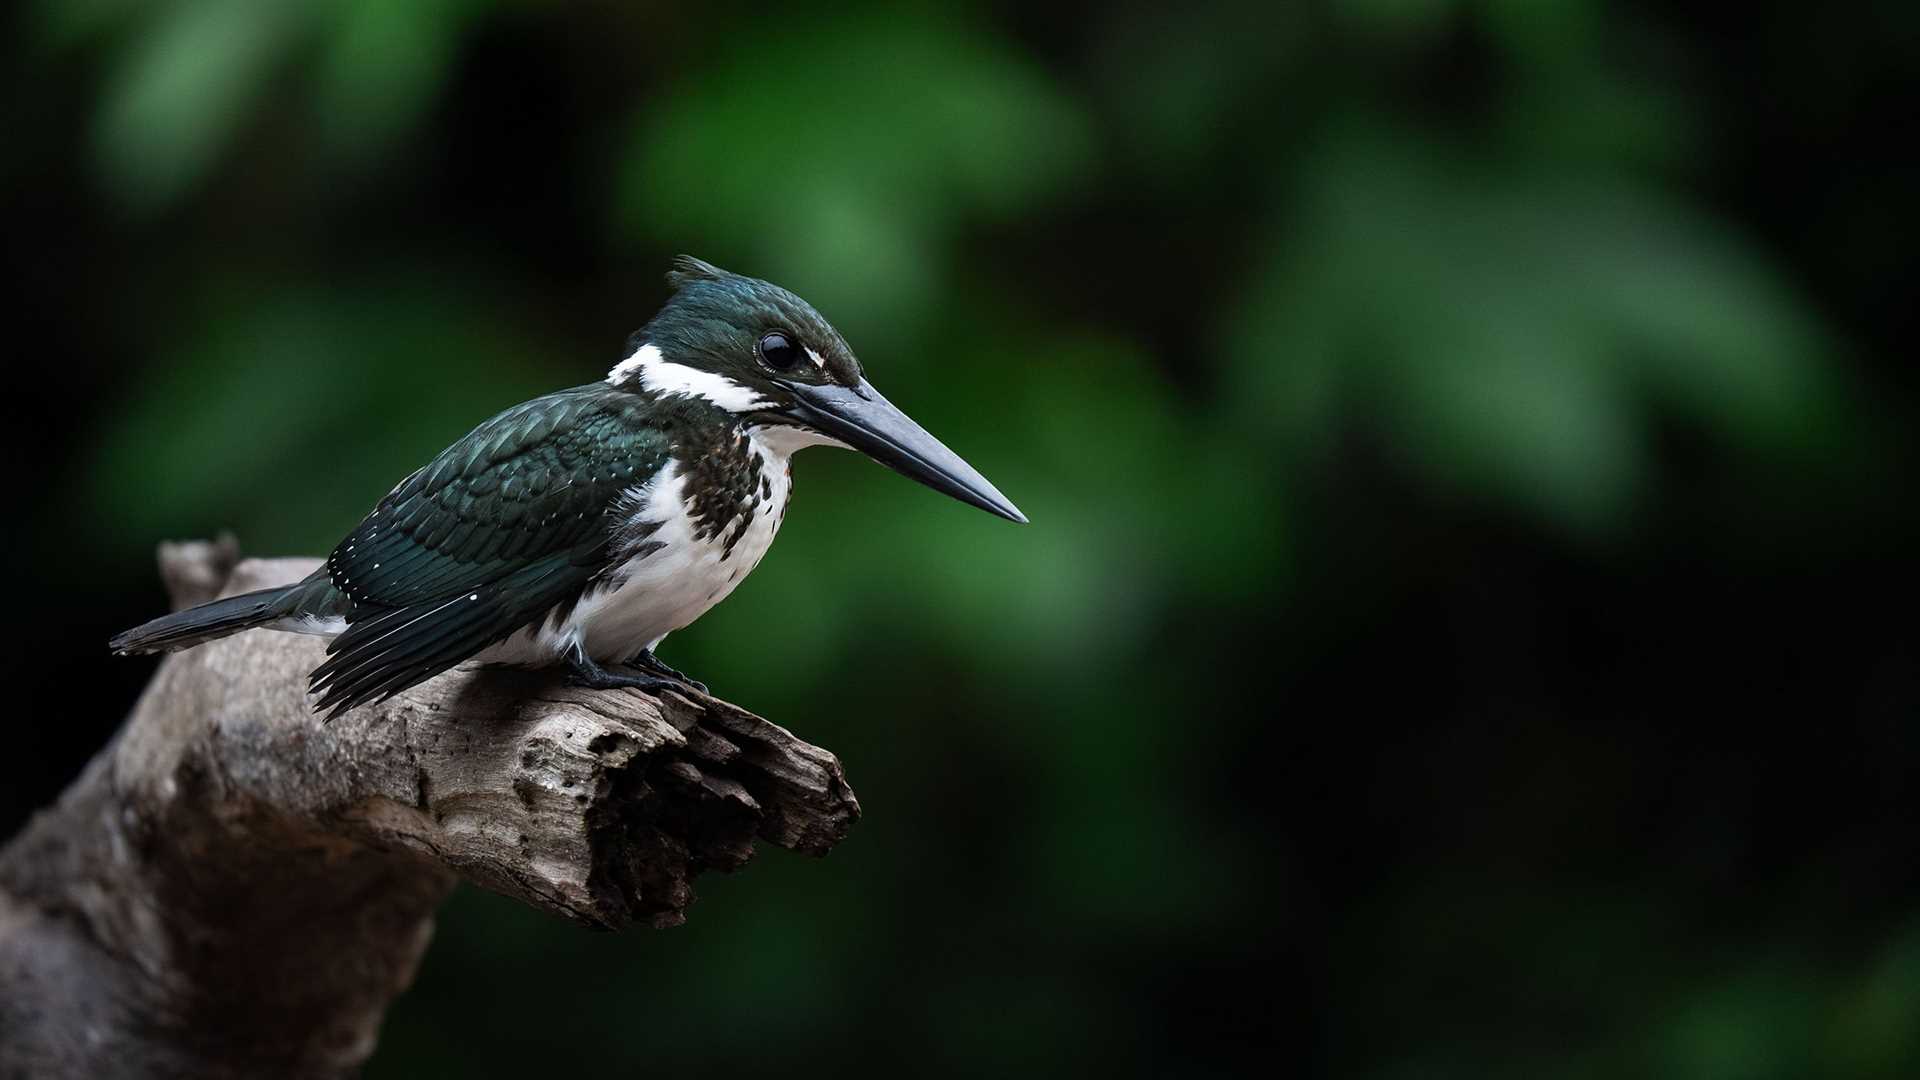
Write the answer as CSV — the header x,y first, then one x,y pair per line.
x,y
662,376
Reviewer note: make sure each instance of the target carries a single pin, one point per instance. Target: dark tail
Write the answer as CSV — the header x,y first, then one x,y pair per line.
x,y
218,618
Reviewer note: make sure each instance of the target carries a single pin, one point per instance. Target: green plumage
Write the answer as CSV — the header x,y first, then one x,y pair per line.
x,y
526,485
495,531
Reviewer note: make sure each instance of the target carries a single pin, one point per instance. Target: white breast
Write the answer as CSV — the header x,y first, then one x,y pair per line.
x,y
658,590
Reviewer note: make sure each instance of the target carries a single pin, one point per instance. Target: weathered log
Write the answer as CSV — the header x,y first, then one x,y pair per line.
x,y
233,887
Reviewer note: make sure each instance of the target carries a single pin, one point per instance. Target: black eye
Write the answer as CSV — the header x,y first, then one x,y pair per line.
x,y
779,351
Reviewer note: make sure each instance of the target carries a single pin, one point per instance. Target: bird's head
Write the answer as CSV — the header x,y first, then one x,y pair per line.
x,y
754,349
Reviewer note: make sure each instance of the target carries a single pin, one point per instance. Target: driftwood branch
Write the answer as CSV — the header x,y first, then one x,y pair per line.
x,y
234,888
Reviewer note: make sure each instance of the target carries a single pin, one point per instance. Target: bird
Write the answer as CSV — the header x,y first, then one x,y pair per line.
x,y
582,527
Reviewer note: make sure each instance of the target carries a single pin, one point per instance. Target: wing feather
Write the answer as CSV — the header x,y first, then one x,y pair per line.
x,y
499,528
379,657
489,505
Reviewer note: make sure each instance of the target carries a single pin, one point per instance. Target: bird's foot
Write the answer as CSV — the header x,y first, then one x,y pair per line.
x,y
584,672
646,661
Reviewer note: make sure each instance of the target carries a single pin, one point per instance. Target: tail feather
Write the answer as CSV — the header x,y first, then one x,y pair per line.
x,y
218,618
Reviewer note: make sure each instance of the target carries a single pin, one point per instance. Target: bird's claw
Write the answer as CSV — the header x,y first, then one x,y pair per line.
x,y
649,662
584,672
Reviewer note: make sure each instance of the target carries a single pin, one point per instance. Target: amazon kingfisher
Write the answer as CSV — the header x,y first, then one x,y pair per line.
x,y
583,527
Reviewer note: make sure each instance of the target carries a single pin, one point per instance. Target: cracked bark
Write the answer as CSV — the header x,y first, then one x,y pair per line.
x,y
232,888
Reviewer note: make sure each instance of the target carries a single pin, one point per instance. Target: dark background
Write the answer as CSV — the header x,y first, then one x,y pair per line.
x,y
1466,627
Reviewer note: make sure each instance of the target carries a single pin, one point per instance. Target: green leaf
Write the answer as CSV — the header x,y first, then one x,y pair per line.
x,y
1516,334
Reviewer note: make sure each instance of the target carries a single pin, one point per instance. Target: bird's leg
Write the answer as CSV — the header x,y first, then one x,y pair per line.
x,y
584,672
649,662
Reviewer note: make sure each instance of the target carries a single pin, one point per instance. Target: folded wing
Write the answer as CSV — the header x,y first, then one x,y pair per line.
x,y
484,540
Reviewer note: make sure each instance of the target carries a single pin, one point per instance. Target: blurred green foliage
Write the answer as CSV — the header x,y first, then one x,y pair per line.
x,y
1537,317
1288,325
